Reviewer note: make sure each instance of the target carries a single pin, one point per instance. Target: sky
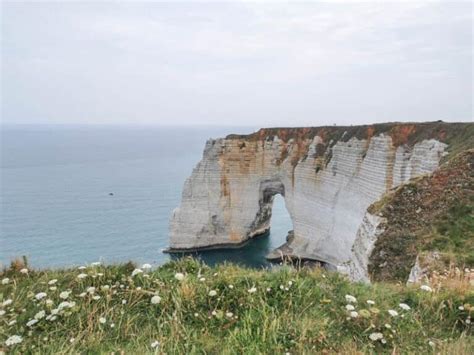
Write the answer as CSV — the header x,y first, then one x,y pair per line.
x,y
236,63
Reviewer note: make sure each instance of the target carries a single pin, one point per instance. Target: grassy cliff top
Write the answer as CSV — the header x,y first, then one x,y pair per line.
x,y
458,135
430,213
186,307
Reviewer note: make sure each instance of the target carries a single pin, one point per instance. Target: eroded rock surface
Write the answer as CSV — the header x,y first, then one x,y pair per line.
x,y
328,177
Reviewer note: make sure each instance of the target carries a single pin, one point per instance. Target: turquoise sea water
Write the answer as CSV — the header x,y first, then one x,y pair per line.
x,y
56,206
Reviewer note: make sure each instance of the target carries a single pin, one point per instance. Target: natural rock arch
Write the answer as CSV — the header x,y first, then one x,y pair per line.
x,y
328,177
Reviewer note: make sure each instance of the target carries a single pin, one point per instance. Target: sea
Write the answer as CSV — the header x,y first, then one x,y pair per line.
x,y
76,194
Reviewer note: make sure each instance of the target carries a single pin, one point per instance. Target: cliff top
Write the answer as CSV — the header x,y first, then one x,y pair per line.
x,y
459,135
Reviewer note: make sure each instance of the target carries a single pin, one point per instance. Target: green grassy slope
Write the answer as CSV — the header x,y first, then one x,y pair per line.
x,y
253,312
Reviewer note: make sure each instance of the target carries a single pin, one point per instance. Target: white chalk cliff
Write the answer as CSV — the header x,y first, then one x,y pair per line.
x,y
328,177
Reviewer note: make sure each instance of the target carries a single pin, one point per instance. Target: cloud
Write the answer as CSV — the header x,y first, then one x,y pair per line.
x,y
274,64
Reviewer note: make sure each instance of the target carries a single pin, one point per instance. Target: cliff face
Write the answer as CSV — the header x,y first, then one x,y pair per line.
x,y
328,177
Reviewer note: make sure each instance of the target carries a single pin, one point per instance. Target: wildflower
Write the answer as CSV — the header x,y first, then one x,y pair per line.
x,y
112,325
81,268
14,339
214,313
64,295
468,320
364,313
40,296
83,294
282,287
136,272
139,288
202,279
376,336
231,286
81,276
179,276
252,290
31,322
155,299
53,288
404,306
229,314
290,283
96,298
431,343
52,282
461,308
2,312
40,315
146,266
426,288
393,313
96,263
63,305
102,320
49,302
268,289
5,281
350,307
100,274
196,314
7,302
155,344
90,290
212,293
124,301
24,271
72,340
12,322
388,326
370,302
354,314
351,299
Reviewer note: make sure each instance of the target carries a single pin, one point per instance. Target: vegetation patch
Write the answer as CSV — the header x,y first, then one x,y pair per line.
x,y
186,307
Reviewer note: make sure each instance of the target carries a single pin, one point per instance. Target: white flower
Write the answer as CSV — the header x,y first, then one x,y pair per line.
x,y
24,271
96,263
124,301
139,288
81,268
212,293
90,290
155,299
2,312
393,313
83,294
431,343
229,314
388,326
136,272
105,288
350,299
14,339
61,306
5,281
112,325
461,308
370,302
404,306
179,276
40,296
64,295
376,336
71,340
12,322
40,315
252,290
49,302
31,322
354,314
350,307
96,297
426,288
146,266
214,313
53,288
231,286
7,302
282,287
202,279
100,274
102,320
269,289
52,282
155,344
81,276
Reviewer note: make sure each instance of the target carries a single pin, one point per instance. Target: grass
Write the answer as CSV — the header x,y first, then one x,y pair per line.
x,y
296,311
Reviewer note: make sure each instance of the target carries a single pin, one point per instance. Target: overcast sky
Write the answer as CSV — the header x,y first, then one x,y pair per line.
x,y
238,63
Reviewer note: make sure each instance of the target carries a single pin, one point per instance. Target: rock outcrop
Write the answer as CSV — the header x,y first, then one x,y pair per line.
x,y
328,177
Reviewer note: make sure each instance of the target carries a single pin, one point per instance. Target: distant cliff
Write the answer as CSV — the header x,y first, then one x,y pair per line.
x,y
328,176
